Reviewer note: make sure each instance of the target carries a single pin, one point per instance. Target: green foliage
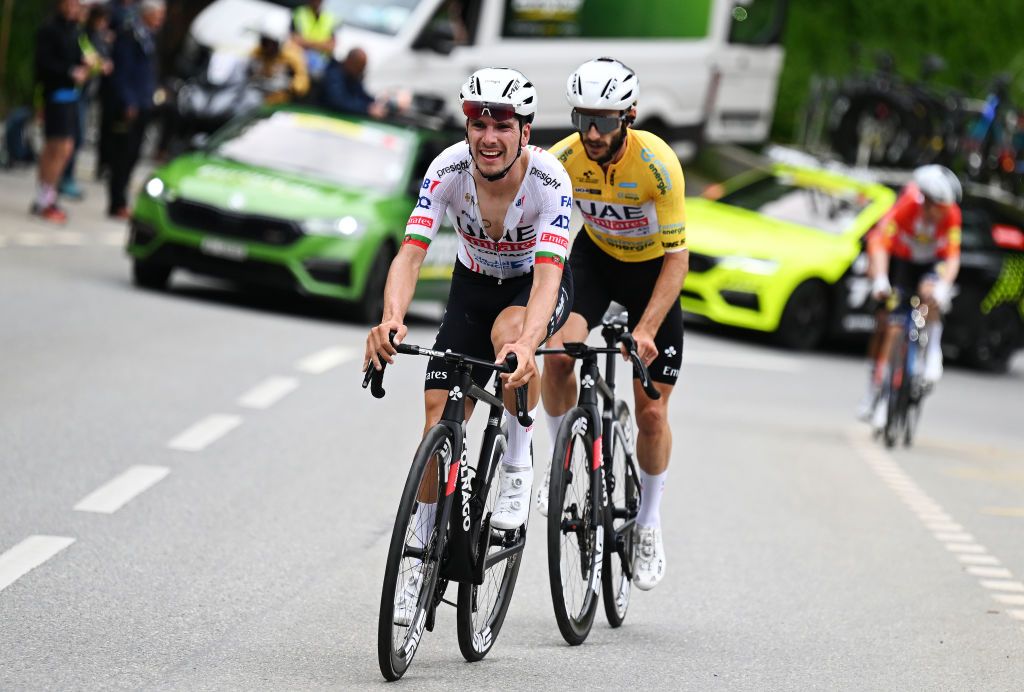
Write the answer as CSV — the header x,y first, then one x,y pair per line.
x,y
977,39
26,18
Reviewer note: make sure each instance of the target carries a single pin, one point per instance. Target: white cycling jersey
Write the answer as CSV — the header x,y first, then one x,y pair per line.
x,y
536,227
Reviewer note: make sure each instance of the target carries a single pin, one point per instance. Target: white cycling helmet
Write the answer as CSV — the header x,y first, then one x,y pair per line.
x,y
501,86
603,84
938,184
274,26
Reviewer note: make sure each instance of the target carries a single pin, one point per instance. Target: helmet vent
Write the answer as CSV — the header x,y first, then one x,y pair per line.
x,y
607,87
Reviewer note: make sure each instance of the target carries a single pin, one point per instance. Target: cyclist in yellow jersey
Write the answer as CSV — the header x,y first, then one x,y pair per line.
x,y
628,186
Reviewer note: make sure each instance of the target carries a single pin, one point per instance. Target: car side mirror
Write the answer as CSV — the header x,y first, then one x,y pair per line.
x,y
431,39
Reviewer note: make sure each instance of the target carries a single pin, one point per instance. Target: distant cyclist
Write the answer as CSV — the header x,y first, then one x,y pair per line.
x,y
628,186
510,205
914,249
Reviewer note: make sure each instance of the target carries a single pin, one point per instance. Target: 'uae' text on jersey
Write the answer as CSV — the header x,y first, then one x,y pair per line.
x,y
536,226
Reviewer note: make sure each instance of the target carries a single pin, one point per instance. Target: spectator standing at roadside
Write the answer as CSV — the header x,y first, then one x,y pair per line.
x,y
134,81
343,89
95,42
313,31
60,70
122,12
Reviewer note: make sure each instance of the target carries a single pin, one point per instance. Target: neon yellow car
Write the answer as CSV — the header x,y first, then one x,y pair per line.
x,y
781,250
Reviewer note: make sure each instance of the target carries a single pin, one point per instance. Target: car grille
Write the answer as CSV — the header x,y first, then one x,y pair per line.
x,y
701,263
261,229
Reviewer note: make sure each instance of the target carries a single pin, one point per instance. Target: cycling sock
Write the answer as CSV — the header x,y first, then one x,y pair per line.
x,y
46,195
553,422
426,513
651,488
934,341
517,453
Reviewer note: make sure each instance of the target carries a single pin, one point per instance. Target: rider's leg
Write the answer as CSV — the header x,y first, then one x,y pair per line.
x,y
653,448
515,474
933,321
890,337
876,366
558,380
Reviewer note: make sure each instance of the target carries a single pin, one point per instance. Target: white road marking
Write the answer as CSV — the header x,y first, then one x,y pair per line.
x,y
978,559
268,392
956,539
112,238
116,493
29,554
1002,585
68,237
31,239
205,432
322,361
741,360
992,572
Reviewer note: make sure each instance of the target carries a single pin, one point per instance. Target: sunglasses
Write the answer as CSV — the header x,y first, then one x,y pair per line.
x,y
605,124
474,110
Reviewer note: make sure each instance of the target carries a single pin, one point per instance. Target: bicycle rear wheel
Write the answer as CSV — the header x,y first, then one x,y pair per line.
x,y
482,608
575,528
410,576
623,490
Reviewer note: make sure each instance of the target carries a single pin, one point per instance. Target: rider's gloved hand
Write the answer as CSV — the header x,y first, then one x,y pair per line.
x,y
943,295
880,287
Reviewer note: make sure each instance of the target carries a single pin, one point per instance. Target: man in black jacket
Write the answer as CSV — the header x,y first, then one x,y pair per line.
x,y
60,70
133,82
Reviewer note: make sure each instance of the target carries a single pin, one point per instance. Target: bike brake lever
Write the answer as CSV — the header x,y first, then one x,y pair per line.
x,y
522,415
640,370
374,377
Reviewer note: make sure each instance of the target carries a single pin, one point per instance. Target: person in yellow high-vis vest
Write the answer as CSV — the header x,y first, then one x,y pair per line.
x,y
313,30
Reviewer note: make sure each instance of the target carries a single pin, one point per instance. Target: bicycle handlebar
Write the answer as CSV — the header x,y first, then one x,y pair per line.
x,y
374,378
639,369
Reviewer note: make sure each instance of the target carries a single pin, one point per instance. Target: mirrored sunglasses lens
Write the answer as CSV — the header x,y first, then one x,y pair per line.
x,y
479,109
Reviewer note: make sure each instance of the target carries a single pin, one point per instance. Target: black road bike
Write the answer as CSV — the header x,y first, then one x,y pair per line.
x,y
904,388
455,542
594,492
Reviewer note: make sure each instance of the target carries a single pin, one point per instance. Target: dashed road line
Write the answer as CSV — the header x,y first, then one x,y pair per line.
x,y
322,361
269,392
29,554
118,492
205,432
998,580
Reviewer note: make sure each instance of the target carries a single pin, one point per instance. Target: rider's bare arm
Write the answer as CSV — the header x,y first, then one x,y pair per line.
x,y
547,278
398,293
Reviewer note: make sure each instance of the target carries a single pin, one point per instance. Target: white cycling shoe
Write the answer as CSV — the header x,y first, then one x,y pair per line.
x,y
867,405
513,504
405,604
542,493
880,415
932,370
649,561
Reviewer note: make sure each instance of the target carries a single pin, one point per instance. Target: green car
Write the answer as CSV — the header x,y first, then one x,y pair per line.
x,y
771,250
291,198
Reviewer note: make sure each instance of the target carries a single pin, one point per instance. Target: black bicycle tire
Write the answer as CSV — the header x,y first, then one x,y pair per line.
x,y
614,612
574,629
393,667
467,634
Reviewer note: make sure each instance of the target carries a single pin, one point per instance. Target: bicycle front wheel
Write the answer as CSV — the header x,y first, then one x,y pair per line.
x,y
575,528
482,608
410,576
622,485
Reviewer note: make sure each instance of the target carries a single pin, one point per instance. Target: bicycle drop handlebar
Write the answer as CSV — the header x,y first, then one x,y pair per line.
x,y
640,371
375,378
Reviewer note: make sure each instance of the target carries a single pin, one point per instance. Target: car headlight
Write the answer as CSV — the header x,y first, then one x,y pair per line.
x,y
750,265
346,227
155,188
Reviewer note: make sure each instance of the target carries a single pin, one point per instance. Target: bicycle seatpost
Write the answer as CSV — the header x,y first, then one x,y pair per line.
x,y
522,411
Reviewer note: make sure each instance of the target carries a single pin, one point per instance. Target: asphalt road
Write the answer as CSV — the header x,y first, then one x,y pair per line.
x,y
206,495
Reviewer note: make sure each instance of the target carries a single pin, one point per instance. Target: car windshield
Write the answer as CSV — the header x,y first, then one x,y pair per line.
x,y
351,154
380,16
779,197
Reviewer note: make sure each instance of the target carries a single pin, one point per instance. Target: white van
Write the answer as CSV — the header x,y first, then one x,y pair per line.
x,y
708,68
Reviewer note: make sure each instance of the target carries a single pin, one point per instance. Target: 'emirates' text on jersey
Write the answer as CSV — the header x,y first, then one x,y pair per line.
x,y
636,211
536,227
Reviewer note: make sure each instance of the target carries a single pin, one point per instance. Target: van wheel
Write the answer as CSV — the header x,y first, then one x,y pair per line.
x,y
804,320
371,306
152,276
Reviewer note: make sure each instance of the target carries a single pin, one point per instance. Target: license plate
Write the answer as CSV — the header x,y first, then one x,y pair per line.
x,y
224,248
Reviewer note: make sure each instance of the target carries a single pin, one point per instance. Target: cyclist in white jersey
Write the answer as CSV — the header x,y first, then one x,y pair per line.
x,y
510,205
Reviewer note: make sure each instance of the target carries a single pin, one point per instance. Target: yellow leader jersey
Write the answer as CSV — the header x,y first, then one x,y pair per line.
x,y
635,211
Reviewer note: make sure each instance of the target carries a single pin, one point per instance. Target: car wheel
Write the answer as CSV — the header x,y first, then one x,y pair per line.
x,y
804,320
151,276
998,337
370,308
